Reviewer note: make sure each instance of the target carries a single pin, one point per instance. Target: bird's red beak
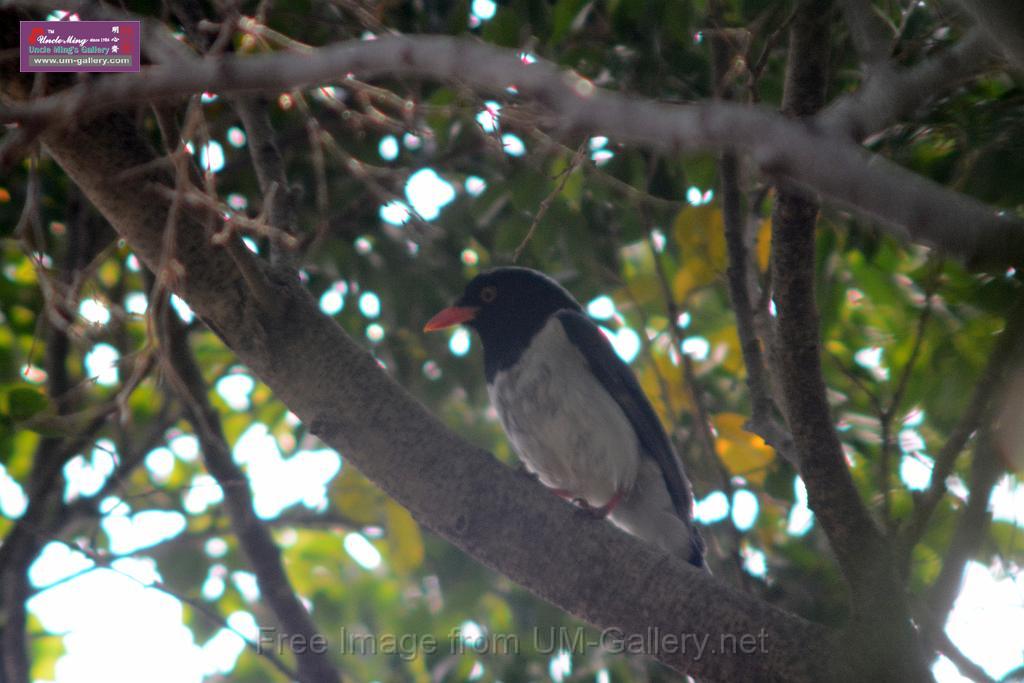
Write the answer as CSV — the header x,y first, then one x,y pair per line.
x,y
453,315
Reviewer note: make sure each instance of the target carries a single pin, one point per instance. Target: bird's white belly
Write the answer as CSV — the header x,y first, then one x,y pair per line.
x,y
563,424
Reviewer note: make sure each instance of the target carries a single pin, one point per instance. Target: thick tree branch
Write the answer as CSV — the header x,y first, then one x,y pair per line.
x,y
880,616
891,93
830,488
503,519
910,206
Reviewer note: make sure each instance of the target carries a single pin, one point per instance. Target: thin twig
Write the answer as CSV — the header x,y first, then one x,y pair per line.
x,y
987,388
763,420
206,611
702,418
574,163
252,534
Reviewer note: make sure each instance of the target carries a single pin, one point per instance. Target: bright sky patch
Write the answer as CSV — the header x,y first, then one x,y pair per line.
x,y
388,148
428,193
362,551
459,342
101,364
369,304
713,508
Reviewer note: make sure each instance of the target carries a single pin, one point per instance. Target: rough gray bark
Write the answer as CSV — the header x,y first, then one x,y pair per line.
x,y
496,515
882,643
910,206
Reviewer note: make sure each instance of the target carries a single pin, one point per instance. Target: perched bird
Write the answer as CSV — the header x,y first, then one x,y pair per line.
x,y
573,410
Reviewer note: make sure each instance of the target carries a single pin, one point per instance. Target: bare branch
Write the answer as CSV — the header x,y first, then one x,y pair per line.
x,y
763,421
1004,21
971,530
986,468
989,385
545,204
891,93
504,520
270,172
264,556
966,667
910,206
887,414
872,35
702,425
742,284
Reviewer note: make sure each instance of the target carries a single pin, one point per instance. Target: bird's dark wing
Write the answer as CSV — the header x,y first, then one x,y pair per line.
x,y
616,377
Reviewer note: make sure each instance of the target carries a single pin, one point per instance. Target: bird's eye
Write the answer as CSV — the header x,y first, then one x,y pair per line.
x,y
488,294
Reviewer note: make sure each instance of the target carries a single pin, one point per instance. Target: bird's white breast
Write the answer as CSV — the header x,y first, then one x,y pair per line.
x,y
562,422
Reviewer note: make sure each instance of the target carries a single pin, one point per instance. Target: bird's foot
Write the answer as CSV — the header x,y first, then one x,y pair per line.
x,y
598,512
589,511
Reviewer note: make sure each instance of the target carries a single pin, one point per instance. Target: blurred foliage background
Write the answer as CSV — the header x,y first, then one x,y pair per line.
x,y
404,191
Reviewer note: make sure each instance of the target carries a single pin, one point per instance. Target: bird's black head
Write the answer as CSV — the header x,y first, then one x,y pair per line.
x,y
507,307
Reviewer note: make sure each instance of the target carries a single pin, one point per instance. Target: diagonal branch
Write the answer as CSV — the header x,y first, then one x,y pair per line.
x,y
1004,21
910,206
987,466
988,387
314,665
504,520
971,530
872,35
891,93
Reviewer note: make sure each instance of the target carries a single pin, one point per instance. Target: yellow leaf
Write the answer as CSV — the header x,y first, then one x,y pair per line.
x,y
499,614
743,453
700,230
404,539
109,273
663,381
700,236
641,289
835,347
356,498
683,283
764,244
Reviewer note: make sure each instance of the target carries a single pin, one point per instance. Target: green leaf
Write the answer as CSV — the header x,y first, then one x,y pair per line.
x,y
565,13
24,402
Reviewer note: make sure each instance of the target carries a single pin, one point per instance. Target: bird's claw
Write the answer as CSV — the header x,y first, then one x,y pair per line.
x,y
589,510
